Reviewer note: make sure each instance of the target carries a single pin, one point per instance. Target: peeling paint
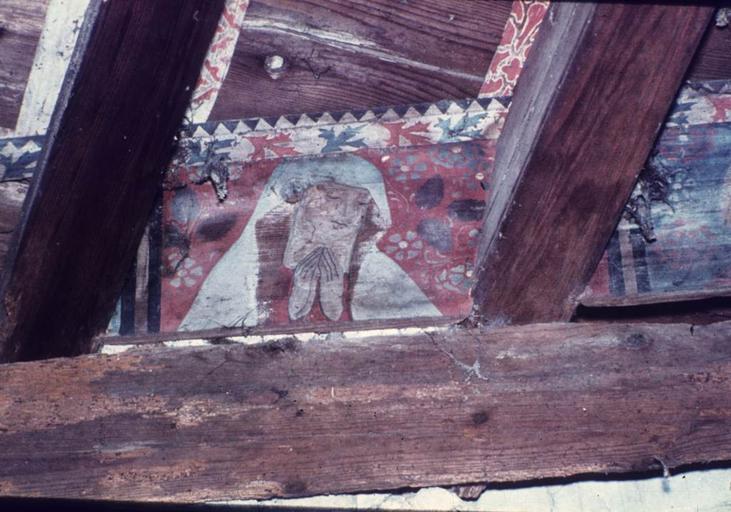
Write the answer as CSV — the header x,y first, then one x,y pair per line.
x,y
305,337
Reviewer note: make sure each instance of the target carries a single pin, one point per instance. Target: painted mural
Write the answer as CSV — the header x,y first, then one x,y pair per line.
x,y
374,214
675,238
411,236
434,163
356,235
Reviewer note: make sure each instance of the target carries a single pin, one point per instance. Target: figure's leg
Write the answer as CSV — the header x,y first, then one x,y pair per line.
x,y
331,286
306,276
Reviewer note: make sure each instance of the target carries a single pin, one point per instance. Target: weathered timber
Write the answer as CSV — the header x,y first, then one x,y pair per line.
x,y
343,54
21,22
697,311
294,419
224,335
111,135
584,117
713,60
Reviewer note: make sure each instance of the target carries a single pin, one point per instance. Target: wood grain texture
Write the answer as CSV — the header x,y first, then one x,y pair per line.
x,y
343,54
567,160
700,311
296,419
21,22
224,335
653,298
110,137
713,60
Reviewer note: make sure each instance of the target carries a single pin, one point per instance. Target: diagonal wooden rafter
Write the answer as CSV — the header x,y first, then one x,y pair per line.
x,y
295,418
112,134
587,109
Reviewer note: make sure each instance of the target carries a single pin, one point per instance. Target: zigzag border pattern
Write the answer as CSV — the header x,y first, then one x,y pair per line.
x,y
324,119
19,155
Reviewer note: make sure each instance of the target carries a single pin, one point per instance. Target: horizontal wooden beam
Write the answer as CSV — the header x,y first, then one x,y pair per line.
x,y
295,418
110,138
595,89
394,53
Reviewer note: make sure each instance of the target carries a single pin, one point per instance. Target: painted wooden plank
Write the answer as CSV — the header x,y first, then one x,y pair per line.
x,y
110,137
296,418
402,189
404,252
518,37
345,54
218,60
434,160
567,161
674,242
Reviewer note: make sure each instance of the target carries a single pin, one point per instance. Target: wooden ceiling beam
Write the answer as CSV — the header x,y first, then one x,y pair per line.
x,y
294,418
110,138
587,109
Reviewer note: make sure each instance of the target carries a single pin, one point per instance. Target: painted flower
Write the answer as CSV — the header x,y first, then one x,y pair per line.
x,y
406,247
458,279
187,273
407,167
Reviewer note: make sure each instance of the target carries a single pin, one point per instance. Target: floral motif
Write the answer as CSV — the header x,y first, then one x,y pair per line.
x,y
404,247
217,62
457,279
187,272
520,32
407,166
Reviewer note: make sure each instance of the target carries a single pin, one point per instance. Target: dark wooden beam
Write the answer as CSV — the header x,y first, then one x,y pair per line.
x,y
590,101
298,418
111,136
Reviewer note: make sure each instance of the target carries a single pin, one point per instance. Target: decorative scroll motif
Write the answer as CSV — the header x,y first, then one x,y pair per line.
x,y
252,140
520,32
215,67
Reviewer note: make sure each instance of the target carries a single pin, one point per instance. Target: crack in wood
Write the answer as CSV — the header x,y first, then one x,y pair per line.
x,y
348,42
470,371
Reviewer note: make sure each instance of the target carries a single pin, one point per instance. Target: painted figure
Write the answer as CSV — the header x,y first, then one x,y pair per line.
x,y
322,236
335,210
